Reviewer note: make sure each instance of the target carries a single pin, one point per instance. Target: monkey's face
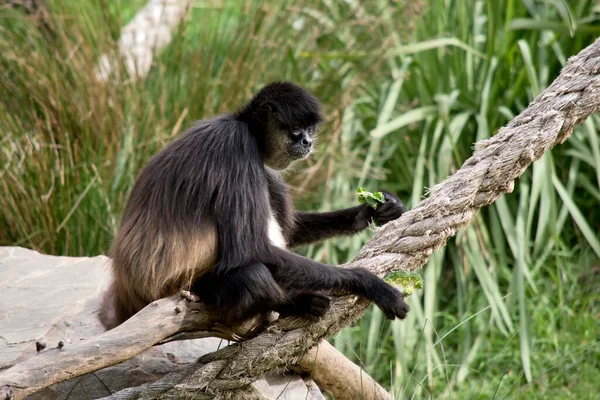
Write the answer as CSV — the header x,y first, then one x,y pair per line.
x,y
301,141
285,145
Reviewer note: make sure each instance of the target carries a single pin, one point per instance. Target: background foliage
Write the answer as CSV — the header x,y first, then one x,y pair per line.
x,y
509,308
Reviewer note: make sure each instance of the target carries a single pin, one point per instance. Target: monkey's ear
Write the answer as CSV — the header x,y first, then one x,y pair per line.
x,y
271,108
265,111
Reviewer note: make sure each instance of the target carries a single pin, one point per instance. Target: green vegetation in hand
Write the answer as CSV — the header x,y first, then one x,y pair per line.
x,y
406,282
372,199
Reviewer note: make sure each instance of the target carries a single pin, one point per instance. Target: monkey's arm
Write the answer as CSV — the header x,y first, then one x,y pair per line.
x,y
314,227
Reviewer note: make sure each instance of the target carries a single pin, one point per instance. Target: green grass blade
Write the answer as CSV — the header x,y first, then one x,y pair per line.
x,y
577,215
409,117
520,266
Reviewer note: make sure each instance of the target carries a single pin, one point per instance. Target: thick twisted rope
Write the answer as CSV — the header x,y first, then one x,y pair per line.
x,y
490,172
407,242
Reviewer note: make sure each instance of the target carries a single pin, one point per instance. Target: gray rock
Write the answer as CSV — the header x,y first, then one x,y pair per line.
x,y
51,299
40,295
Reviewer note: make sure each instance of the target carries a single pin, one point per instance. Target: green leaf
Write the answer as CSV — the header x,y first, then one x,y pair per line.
x,y
372,199
406,281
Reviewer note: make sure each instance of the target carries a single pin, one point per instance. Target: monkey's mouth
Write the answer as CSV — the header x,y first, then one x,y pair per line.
x,y
300,152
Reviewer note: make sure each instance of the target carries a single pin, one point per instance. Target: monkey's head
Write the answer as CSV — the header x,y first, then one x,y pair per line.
x,y
283,117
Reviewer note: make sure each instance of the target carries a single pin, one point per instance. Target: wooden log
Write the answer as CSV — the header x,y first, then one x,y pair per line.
x,y
174,318
337,375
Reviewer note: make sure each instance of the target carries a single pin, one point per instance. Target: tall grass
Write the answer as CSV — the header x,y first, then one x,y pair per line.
x,y
509,307
73,146
502,285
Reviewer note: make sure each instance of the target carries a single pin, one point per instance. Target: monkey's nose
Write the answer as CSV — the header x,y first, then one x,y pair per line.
x,y
306,142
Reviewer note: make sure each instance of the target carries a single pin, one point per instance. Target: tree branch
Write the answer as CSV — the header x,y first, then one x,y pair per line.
x,y
146,34
173,318
334,373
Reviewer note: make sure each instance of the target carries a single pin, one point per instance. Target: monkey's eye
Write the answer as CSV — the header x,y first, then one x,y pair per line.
x,y
296,131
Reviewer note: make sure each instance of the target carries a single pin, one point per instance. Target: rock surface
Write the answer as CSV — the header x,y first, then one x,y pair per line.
x,y
51,299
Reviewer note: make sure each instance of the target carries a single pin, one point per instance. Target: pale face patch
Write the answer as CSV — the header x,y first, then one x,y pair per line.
x,y
275,235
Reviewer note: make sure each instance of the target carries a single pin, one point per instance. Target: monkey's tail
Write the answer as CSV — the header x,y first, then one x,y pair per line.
x,y
108,308
117,306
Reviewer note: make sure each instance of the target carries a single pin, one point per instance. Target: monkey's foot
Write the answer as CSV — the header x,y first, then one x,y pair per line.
x,y
310,305
393,306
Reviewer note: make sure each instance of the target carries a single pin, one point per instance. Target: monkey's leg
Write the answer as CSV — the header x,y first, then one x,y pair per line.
x,y
296,273
308,304
242,292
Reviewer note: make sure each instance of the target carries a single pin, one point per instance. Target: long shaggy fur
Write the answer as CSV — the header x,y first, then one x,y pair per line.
x,y
204,212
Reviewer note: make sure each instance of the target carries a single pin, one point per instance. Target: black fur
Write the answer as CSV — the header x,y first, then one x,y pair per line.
x,y
215,174
313,227
392,209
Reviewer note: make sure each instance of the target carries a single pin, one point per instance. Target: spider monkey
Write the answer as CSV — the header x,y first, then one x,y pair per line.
x,y
211,213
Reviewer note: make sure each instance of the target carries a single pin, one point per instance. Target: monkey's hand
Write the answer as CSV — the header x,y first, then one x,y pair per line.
x,y
364,217
392,209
